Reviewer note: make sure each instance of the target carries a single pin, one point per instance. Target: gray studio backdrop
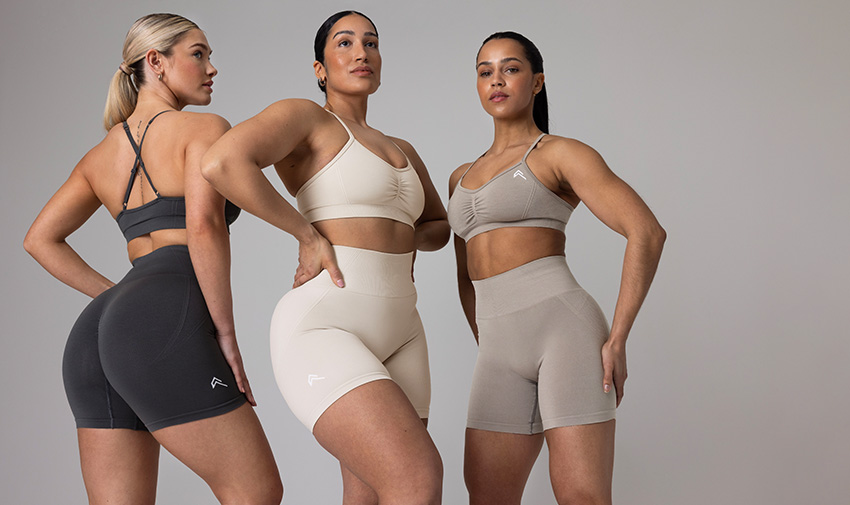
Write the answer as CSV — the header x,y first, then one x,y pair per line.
x,y
729,117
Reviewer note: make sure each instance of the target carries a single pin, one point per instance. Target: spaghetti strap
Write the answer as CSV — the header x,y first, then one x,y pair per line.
x,y
350,135
533,144
137,163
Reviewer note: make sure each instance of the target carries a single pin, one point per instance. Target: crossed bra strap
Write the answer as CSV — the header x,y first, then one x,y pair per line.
x,y
138,161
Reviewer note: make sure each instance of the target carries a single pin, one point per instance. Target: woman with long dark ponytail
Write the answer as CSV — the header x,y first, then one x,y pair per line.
x,y
153,361
548,366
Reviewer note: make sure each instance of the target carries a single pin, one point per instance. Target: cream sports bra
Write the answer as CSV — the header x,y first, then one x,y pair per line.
x,y
513,198
358,183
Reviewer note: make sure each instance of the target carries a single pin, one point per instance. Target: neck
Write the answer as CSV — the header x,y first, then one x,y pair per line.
x,y
352,108
511,132
158,97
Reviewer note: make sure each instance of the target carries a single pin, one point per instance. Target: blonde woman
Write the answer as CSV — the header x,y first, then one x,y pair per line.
x,y
347,344
153,360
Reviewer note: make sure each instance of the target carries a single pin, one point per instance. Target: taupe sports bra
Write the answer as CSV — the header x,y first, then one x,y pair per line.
x,y
513,198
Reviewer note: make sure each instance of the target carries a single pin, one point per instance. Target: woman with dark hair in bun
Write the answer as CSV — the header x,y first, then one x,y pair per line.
x,y
347,344
153,359
548,365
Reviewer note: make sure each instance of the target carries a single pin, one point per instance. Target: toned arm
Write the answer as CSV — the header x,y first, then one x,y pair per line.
x,y
583,171
70,207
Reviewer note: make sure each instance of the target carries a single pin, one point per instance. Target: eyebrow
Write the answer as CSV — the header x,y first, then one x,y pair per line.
x,y
350,32
201,45
504,60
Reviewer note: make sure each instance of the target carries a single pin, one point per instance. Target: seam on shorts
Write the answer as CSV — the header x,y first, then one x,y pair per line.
x,y
591,418
519,429
217,410
340,391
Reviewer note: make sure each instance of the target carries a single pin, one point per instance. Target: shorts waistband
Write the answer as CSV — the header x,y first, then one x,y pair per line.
x,y
166,259
374,272
523,286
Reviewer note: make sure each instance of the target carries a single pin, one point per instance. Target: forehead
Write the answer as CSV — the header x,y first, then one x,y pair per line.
x,y
192,37
499,49
353,22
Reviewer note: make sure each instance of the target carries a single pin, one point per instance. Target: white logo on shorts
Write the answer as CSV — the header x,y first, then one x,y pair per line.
x,y
519,173
313,377
217,382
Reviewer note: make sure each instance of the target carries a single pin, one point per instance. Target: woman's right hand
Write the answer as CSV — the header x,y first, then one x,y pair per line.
x,y
315,255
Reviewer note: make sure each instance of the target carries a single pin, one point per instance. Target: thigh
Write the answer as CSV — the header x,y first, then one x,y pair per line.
x,y
119,466
581,462
409,368
376,434
496,465
503,396
159,351
230,452
571,376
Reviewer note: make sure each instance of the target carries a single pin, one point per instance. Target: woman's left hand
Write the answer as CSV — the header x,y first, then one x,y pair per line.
x,y
614,368
230,349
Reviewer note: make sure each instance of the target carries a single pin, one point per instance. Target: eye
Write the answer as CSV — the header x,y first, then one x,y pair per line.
x,y
343,43
198,54
371,44
511,70
484,73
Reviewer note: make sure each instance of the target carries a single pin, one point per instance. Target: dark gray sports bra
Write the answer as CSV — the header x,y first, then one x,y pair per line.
x,y
513,198
161,213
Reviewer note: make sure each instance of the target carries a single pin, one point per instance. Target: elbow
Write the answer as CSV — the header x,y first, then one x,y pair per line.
x,y
212,167
33,243
656,236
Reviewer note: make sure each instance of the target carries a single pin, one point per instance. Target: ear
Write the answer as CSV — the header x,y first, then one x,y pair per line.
x,y
539,78
154,60
319,70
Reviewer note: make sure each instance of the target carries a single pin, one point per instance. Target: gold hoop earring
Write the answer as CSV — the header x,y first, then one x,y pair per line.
x,y
159,76
323,82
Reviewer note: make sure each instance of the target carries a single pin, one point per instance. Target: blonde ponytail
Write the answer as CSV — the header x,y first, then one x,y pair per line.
x,y
154,31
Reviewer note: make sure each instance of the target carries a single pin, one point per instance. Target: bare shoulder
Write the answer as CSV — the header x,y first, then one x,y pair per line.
x,y
456,175
291,107
201,123
554,147
405,146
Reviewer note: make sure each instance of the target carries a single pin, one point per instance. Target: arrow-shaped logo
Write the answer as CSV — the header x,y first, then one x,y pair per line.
x,y
313,377
519,173
217,382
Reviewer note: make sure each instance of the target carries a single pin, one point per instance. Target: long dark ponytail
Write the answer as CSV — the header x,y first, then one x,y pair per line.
x,y
540,110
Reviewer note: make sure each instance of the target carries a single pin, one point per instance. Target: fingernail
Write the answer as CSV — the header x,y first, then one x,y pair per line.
x,y
340,283
607,388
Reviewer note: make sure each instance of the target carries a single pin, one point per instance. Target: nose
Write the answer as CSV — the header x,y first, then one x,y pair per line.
x,y
361,53
211,70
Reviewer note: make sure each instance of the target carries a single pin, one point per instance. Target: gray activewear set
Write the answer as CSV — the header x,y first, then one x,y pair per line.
x,y
540,334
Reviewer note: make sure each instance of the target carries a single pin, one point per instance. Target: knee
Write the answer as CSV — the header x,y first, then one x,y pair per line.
x,y
423,487
580,495
271,493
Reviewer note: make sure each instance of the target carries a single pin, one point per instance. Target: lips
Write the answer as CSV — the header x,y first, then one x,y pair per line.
x,y
362,70
208,84
498,96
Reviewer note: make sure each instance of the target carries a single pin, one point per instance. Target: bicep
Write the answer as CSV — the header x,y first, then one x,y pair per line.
x,y
71,206
607,196
267,137
201,198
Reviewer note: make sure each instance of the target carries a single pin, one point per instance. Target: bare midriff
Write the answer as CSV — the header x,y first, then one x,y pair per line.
x,y
497,251
375,233
149,243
